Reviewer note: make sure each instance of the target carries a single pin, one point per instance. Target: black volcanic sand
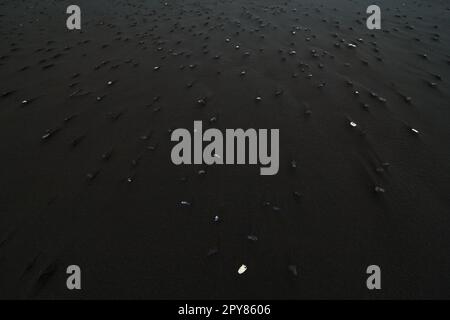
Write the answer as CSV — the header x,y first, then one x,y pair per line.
x,y
86,176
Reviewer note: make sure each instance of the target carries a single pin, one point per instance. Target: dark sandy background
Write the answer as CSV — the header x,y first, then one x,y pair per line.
x,y
119,217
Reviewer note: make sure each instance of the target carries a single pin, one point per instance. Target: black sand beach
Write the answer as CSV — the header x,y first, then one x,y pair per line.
x,y
86,176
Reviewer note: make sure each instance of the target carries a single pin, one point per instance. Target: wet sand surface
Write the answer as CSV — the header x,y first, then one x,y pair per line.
x,y
86,176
